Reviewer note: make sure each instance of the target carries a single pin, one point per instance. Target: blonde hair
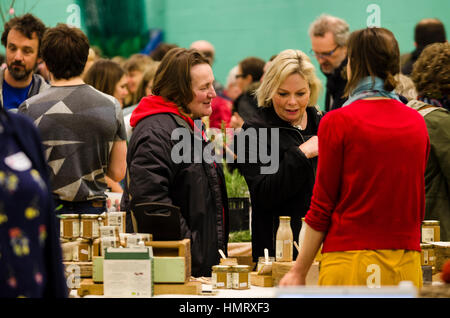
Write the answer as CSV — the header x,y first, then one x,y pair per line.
x,y
286,63
405,87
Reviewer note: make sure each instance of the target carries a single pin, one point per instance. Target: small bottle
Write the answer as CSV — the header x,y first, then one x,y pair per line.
x,y
284,240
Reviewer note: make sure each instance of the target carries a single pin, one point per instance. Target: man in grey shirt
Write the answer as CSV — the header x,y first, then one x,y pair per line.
x,y
82,129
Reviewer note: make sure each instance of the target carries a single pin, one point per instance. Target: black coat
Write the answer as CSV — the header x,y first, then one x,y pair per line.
x,y
198,189
336,83
288,191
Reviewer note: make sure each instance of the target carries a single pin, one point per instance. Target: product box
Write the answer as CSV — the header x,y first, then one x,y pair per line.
x,y
128,272
97,269
169,269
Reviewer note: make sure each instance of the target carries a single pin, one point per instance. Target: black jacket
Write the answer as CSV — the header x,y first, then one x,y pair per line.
x,y
287,192
336,83
246,105
198,189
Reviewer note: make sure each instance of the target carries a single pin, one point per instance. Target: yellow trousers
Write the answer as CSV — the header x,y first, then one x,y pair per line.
x,y
371,268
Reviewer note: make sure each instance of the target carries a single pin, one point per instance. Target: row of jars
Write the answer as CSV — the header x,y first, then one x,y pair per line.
x,y
231,277
87,226
284,238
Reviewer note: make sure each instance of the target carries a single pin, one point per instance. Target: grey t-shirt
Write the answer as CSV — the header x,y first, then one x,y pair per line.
x,y
78,125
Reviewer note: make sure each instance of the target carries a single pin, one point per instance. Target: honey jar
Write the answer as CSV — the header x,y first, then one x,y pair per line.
x,y
240,276
221,277
89,227
69,226
431,231
427,254
82,251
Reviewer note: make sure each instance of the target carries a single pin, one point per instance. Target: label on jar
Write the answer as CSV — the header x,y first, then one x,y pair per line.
x,y
425,257
240,280
221,280
427,234
283,250
116,219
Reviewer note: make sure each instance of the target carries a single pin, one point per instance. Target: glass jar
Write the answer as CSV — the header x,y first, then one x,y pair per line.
x,y
82,250
431,231
69,226
90,224
268,265
221,277
240,276
284,240
427,254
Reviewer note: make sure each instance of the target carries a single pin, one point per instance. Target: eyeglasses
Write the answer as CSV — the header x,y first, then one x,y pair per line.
x,y
324,54
239,75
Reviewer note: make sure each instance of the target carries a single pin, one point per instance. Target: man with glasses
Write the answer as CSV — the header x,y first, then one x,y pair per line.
x,y
329,46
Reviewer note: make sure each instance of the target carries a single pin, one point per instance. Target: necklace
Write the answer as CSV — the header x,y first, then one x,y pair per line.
x,y
299,126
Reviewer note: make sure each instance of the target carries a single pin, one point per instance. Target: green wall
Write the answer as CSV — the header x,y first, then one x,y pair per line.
x,y
241,28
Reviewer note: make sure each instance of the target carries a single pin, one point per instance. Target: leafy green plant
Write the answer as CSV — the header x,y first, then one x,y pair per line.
x,y
236,184
240,236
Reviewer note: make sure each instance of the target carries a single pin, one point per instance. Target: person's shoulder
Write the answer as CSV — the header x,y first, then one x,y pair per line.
x,y
157,122
43,85
95,94
22,122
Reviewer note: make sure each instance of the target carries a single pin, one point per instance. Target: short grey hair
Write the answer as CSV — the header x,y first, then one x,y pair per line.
x,y
327,23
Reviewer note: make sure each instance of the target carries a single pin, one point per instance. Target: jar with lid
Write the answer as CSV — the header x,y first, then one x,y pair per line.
x,y
221,277
431,231
284,240
427,254
82,250
69,225
240,276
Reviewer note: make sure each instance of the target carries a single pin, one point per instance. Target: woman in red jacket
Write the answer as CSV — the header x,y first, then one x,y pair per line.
x,y
369,197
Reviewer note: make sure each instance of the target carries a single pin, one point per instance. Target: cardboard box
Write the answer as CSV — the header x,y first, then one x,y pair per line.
x,y
128,272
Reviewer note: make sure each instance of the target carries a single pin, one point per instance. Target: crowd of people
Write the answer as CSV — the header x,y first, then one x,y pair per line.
x,y
363,170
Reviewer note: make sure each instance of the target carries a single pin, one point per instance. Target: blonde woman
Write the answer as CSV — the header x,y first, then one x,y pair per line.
x,y
286,98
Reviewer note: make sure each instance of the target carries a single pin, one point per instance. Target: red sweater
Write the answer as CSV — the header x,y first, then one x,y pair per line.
x,y
370,187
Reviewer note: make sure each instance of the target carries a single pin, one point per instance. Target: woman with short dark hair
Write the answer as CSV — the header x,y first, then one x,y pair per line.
x,y
368,201
166,170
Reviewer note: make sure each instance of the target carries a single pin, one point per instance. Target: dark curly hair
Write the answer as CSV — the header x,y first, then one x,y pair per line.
x,y
26,24
431,71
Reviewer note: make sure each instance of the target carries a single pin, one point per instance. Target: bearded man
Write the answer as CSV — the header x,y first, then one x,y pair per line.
x,y
22,38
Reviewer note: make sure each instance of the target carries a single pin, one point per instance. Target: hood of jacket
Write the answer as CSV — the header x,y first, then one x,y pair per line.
x,y
151,105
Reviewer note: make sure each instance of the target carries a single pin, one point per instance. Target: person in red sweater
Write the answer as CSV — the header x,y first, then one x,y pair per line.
x,y
369,197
